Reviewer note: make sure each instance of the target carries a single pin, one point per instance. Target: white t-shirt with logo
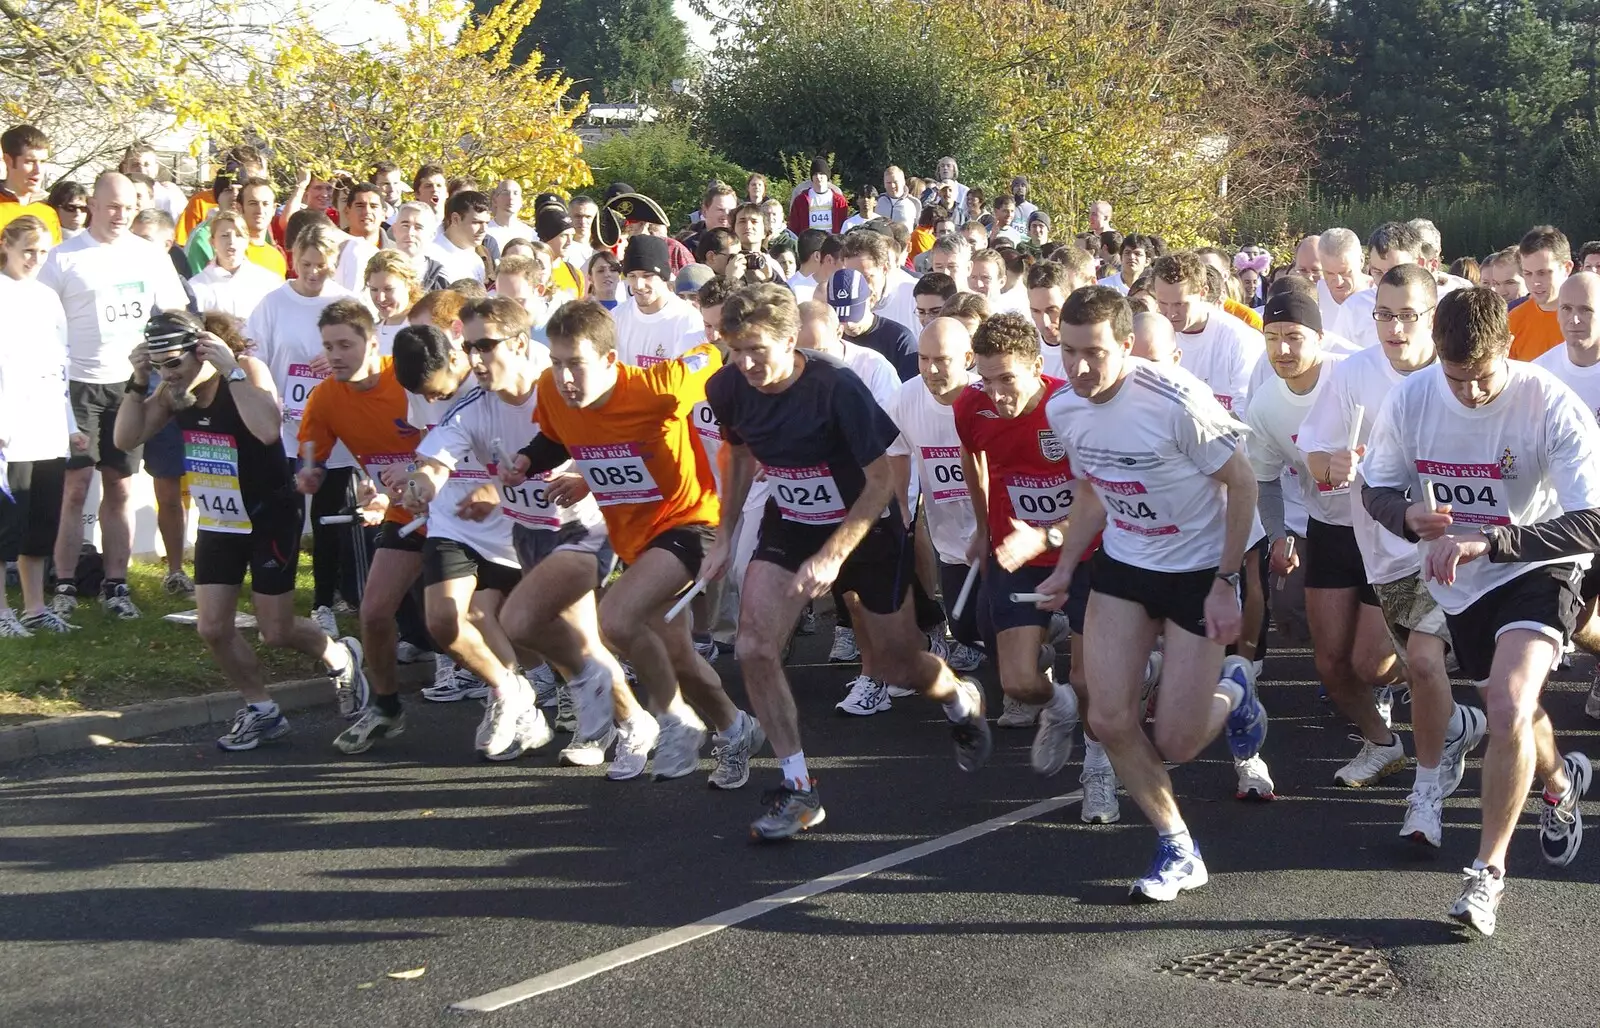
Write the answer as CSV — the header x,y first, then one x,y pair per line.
x,y
1526,456
646,339
1275,417
233,292
1585,381
928,435
1149,453
898,303
352,270
1224,355
1351,319
458,262
109,291
284,328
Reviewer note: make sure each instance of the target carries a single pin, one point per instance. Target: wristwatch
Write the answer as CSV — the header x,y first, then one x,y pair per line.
x,y
237,375
1231,577
1054,537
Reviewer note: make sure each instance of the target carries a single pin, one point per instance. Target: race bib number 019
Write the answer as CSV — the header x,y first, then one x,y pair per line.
x,y
1475,492
616,473
945,481
297,388
211,471
529,503
807,495
1040,502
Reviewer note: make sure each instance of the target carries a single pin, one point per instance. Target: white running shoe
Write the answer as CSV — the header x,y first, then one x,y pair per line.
x,y
937,646
11,625
581,752
458,684
590,689
1479,899
678,746
1466,730
533,732
350,686
1016,714
636,737
65,600
252,727
1173,870
503,722
372,726
566,720
900,692
1052,743
1099,805
47,620
1424,815
844,649
323,618
119,603
409,653
544,683
707,648
1255,781
867,696
1372,764
1152,678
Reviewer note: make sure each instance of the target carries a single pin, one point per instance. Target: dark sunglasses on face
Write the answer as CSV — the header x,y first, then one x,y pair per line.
x,y
484,346
172,363
76,208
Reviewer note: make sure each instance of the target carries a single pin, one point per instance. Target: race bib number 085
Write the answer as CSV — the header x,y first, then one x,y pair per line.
x,y
616,473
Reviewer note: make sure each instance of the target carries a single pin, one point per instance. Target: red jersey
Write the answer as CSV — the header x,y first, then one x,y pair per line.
x,y
1029,477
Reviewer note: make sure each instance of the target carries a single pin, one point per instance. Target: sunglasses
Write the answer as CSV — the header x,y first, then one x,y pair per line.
x,y
76,208
484,345
172,363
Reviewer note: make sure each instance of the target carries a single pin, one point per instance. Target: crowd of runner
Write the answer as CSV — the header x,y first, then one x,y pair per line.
x,y
586,462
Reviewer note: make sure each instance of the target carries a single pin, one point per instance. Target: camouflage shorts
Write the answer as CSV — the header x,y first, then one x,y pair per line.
x,y
1409,607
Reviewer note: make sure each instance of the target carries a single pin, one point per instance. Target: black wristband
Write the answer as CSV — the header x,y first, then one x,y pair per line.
x,y
136,387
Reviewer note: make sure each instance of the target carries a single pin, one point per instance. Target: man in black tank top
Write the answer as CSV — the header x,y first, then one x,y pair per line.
x,y
250,517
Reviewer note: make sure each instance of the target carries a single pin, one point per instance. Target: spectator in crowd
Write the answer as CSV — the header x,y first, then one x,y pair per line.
x,y
821,206
70,201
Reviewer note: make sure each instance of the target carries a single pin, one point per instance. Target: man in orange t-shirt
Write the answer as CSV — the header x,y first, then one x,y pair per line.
x,y
1546,259
363,406
631,432
24,150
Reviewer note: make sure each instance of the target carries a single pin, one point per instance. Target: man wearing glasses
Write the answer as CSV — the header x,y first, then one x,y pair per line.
x,y
1443,732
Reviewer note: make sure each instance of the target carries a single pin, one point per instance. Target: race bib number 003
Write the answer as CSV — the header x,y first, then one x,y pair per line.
x,y
1040,502
616,473
297,388
946,482
211,471
1475,492
807,495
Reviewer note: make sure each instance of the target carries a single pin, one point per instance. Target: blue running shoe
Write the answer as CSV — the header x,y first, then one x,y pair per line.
x,y
1247,724
1174,870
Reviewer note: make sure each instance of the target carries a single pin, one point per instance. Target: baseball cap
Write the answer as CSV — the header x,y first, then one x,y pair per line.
x,y
849,295
690,278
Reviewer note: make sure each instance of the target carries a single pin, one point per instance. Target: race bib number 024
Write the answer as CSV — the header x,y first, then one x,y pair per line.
x,y
616,473
807,495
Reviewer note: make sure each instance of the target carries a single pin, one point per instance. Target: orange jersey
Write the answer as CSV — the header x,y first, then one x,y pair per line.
x,y
194,213
1533,331
1248,315
371,422
637,449
11,209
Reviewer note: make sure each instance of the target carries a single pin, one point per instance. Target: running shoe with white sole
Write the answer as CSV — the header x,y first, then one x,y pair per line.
x,y
178,584
458,684
47,620
1383,699
1052,743
867,696
566,720
1255,781
636,737
937,645
1424,815
1561,823
1173,870
533,732
118,602
707,648
372,726
1247,722
11,626
974,742
1152,678
963,659
1479,899
252,727
1099,805
587,752
678,746
544,684
899,692
350,685
844,649
1016,714
1373,764
504,720
409,653
65,600
733,755
1466,730
590,690
323,618
789,812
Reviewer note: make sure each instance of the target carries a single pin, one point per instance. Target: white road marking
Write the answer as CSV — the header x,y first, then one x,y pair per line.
x,y
660,943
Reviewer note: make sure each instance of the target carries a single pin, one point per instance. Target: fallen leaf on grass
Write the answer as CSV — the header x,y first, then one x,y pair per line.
x,y
415,972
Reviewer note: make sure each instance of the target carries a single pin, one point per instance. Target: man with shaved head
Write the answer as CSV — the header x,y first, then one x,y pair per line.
x,y
1155,339
1308,259
110,281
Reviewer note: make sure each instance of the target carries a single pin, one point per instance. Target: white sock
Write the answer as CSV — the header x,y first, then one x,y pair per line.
x,y
1180,838
1063,703
962,707
1095,757
340,658
1427,776
1458,724
268,707
736,729
1233,691
794,771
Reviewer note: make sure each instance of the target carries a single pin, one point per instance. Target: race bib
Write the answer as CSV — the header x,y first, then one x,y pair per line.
x,y
821,213
297,389
807,495
705,422
1475,492
124,309
616,473
529,504
211,470
1128,508
375,463
944,478
1040,502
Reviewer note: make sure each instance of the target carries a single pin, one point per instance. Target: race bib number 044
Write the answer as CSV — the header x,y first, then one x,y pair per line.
x,y
297,388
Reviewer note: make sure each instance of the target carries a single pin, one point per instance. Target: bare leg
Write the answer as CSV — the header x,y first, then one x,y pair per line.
x,y
1124,635
1521,741
31,571
554,610
901,650
1431,703
217,605
390,579
1335,618
69,534
462,620
1020,676
170,515
116,530
769,608
1190,709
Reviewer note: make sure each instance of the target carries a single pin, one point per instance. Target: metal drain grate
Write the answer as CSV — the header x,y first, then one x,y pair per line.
x,y
1323,967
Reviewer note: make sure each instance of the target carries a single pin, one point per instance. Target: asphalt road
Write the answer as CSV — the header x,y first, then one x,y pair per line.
x,y
167,883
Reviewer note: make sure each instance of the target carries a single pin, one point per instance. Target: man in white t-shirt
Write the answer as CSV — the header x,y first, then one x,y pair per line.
x,y
894,202
1136,254
1343,282
230,283
504,225
1162,475
456,247
363,221
656,324
1218,348
110,282
1504,464
1049,285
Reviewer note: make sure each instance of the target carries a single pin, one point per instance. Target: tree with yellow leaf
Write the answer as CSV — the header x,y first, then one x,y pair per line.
x,y
442,94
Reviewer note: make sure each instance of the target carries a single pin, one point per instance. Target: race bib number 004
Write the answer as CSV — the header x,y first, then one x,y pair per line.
x,y
945,482
1128,508
297,388
616,473
807,495
211,471
1040,502
1476,493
